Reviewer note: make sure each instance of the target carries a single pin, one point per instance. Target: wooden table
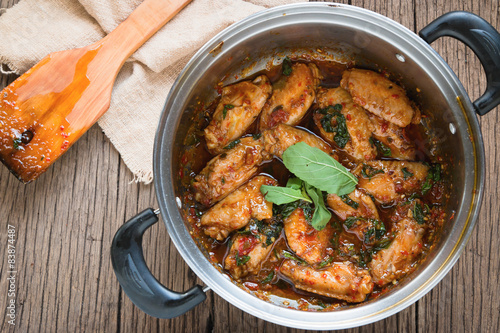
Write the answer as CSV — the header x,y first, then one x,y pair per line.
x,y
65,222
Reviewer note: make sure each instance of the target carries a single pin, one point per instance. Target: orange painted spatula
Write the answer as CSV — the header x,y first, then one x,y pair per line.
x,y
50,106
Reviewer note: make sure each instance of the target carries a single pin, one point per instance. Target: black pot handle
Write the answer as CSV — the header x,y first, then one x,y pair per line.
x,y
139,284
483,39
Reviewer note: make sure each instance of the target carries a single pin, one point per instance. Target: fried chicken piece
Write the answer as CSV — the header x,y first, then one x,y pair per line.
x,y
389,180
227,171
398,259
355,204
379,95
292,96
239,106
340,280
307,243
237,209
393,137
250,249
279,138
359,126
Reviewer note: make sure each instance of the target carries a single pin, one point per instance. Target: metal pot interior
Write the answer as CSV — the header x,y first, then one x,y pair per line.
x,y
348,34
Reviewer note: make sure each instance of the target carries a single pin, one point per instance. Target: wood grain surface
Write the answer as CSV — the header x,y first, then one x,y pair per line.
x,y
65,222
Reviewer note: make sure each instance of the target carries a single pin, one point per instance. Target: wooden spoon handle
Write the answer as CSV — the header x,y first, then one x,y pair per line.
x,y
142,23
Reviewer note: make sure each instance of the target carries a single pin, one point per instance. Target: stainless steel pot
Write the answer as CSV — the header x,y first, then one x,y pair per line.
x,y
371,40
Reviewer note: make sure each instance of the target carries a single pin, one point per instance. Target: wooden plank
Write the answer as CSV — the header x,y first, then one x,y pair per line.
x,y
65,222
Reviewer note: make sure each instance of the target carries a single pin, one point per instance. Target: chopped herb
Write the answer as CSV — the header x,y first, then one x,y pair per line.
x,y
379,228
271,231
368,234
16,142
383,244
287,66
418,213
245,232
349,222
292,256
287,209
41,158
256,136
321,304
368,171
348,201
232,144
381,148
341,133
325,262
269,277
406,174
224,111
223,180
434,175
241,260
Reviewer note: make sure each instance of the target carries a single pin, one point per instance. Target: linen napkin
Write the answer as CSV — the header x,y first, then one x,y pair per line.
x,y
34,28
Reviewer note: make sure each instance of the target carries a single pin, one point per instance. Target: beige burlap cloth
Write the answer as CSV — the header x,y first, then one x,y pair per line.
x,y
34,28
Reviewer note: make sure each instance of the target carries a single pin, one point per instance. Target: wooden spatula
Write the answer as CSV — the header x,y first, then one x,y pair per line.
x,y
50,106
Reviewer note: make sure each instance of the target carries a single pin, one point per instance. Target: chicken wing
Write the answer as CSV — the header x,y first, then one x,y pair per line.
x,y
239,106
307,242
227,171
292,96
389,180
393,137
397,260
343,281
251,248
355,204
338,113
279,138
237,209
379,95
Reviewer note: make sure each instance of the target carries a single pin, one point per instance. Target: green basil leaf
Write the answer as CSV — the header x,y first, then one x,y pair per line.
x,y
292,256
224,111
348,201
241,260
418,213
269,278
321,215
232,144
406,174
282,195
287,66
319,169
294,183
381,148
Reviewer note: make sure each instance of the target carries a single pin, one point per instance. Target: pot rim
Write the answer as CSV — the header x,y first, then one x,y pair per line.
x,y
348,317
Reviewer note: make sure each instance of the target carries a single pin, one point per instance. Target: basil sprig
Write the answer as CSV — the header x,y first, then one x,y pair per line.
x,y
317,172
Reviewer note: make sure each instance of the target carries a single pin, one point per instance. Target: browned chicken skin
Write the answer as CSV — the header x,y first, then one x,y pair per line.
x,y
239,106
235,211
358,124
395,262
292,96
379,95
307,242
387,181
343,207
251,248
227,171
393,137
279,138
343,281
